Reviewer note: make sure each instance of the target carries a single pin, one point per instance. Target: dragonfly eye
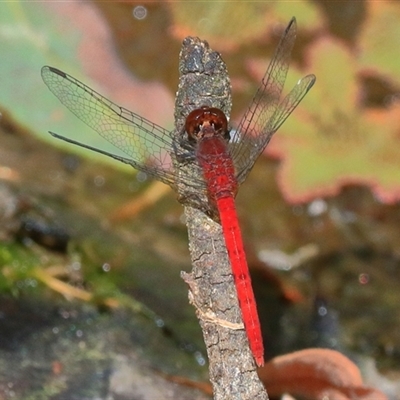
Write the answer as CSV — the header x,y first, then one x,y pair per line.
x,y
218,120
193,123
205,115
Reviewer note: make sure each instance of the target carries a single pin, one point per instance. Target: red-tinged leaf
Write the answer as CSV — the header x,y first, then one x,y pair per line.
x,y
233,24
337,69
331,140
313,139
74,37
217,27
316,374
380,40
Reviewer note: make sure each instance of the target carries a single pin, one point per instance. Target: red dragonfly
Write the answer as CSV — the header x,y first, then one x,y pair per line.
x,y
223,157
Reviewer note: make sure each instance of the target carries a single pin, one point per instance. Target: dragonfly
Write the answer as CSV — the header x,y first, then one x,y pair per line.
x,y
223,156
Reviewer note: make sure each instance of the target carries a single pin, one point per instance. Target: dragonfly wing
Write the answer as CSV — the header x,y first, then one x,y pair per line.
x,y
255,146
147,145
265,101
267,112
288,104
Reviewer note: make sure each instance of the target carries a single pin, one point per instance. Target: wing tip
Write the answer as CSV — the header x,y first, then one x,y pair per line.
x,y
311,80
56,71
292,23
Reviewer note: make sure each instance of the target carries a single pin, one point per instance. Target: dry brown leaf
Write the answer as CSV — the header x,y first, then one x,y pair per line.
x,y
316,374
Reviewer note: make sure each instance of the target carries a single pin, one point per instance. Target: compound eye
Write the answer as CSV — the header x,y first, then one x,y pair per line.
x,y
193,122
213,116
218,119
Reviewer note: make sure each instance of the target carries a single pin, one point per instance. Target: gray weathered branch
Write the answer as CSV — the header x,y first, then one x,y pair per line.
x,y
204,81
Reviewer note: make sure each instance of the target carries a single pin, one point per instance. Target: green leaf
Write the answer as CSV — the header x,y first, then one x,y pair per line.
x,y
75,38
331,140
380,40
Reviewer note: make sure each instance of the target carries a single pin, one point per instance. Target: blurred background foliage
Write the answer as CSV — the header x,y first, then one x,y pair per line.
x,y
331,177
349,117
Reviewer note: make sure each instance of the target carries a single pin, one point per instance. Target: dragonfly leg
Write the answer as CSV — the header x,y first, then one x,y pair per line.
x,y
184,152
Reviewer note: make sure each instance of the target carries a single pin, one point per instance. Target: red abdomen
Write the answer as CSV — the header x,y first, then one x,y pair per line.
x,y
219,174
241,276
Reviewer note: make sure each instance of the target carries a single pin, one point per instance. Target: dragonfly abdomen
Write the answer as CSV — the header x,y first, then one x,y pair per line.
x,y
241,276
219,174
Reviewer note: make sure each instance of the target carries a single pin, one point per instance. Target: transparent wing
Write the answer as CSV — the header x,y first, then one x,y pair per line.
x,y
267,112
147,145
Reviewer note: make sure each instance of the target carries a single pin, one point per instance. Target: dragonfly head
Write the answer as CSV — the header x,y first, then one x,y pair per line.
x,y
206,122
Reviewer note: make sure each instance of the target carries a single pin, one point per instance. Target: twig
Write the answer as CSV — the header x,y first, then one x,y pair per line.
x,y
204,81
